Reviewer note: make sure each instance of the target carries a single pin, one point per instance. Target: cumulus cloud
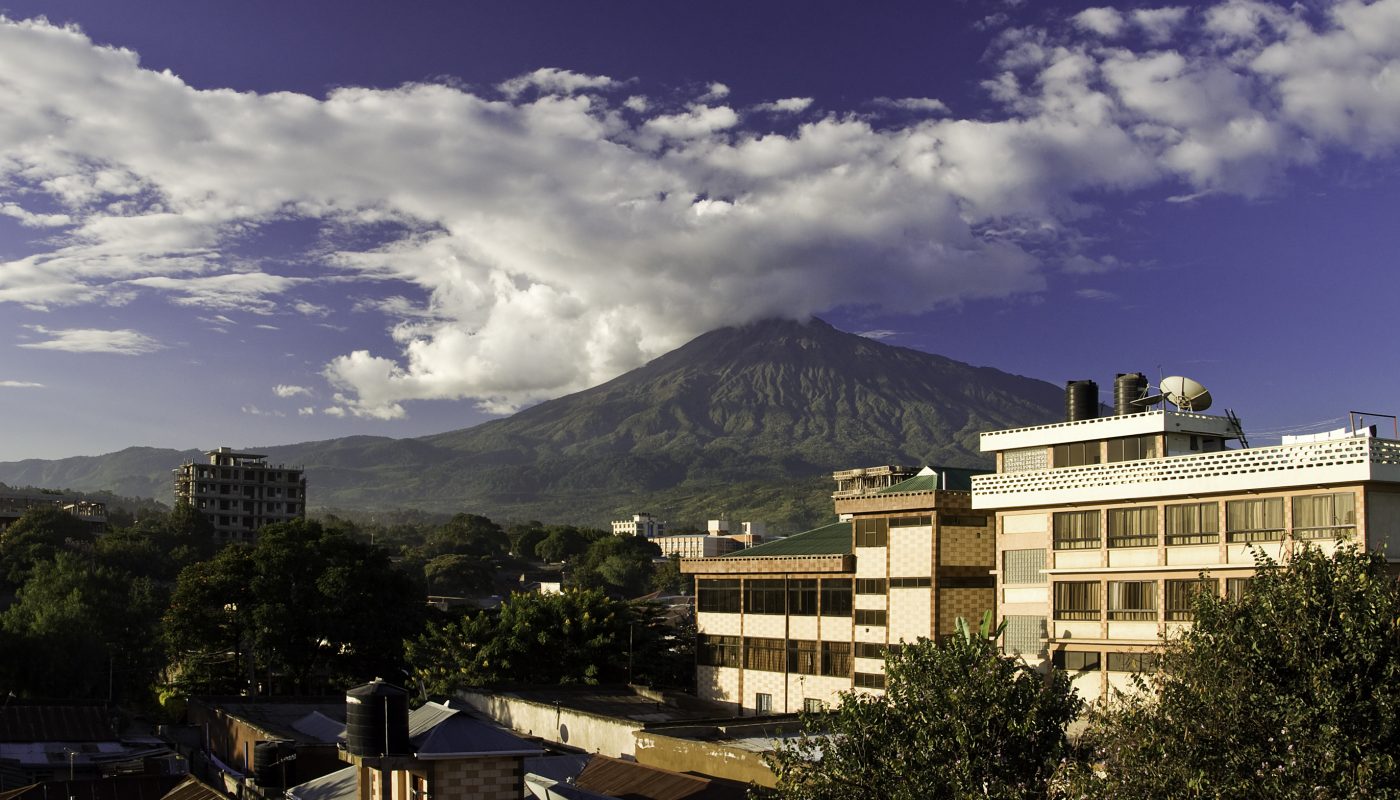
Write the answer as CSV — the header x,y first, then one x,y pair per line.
x,y
306,411
551,232
92,340
287,390
788,105
20,385
254,411
880,333
925,105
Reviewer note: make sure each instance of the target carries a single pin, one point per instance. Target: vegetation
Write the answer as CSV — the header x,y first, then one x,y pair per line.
x,y
580,636
1291,690
957,720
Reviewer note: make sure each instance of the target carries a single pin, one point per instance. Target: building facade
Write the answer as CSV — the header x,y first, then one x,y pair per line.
x,y
92,514
787,625
241,492
1107,526
643,525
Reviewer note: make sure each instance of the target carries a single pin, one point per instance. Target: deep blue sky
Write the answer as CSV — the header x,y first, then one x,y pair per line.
x,y
402,218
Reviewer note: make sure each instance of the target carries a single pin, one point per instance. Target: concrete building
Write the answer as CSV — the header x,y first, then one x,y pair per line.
x,y
643,524
92,514
786,625
1105,525
696,545
241,492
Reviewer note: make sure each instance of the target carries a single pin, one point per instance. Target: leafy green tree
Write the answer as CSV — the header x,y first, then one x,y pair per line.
x,y
622,565
36,538
85,630
669,579
468,534
306,604
957,720
525,538
563,543
1290,690
460,576
159,545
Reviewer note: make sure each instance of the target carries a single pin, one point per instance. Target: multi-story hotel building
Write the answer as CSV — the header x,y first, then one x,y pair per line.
x,y
1106,525
643,525
788,624
241,492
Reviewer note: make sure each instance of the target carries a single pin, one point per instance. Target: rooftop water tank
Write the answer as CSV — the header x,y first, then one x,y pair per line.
x,y
1081,400
376,720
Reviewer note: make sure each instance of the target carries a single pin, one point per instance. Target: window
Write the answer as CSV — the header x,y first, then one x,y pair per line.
x,y
1076,454
910,583
768,655
717,651
836,659
803,657
802,597
836,597
870,585
1235,588
1181,597
1132,527
1025,635
1075,661
1023,566
762,703
1076,530
1254,520
1193,523
721,596
811,705
1077,600
872,532
870,680
870,650
923,520
1132,448
1132,662
1324,516
870,616
963,520
764,597
1132,600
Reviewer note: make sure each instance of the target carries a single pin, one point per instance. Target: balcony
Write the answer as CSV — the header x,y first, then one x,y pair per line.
x,y
1260,468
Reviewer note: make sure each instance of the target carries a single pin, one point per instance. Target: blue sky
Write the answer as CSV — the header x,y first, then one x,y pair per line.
x,y
258,223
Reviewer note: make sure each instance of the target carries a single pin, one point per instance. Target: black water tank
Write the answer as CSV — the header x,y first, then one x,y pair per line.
x,y
376,720
1127,387
1081,400
268,767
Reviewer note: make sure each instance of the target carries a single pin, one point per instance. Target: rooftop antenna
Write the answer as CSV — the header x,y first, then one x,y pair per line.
x,y
1184,393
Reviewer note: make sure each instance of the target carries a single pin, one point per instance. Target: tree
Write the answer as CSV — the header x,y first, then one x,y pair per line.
x,y
957,719
468,534
562,544
1290,690
35,538
622,565
525,538
460,576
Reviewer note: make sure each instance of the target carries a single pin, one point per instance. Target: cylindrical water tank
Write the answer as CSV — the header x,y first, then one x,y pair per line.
x,y
1081,400
376,720
268,767
1127,387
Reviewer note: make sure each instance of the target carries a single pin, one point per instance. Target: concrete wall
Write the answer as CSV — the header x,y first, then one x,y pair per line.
x,y
592,733
707,758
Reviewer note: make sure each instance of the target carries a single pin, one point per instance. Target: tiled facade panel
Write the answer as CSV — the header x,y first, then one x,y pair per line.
x,y
770,626
769,683
911,612
478,779
870,562
911,552
812,687
969,604
719,624
717,683
965,547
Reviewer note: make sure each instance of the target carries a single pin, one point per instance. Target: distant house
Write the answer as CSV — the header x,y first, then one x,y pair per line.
x,y
643,525
92,514
240,492
42,743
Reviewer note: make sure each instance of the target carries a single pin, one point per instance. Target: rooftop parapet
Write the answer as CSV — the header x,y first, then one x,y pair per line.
x,y
1158,421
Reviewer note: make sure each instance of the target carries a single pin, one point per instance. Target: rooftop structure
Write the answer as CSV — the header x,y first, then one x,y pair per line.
x,y
241,492
91,513
1106,525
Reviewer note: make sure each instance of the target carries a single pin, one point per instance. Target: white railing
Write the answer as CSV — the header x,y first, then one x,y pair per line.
x,y
1332,460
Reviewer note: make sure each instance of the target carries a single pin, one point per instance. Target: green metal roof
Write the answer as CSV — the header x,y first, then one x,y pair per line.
x,y
832,539
959,479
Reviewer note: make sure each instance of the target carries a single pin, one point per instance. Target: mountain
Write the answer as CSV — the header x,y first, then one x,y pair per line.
x,y
747,421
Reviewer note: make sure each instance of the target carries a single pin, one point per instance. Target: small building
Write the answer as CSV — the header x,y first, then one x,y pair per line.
x,y
92,514
304,734
789,624
643,525
74,744
241,492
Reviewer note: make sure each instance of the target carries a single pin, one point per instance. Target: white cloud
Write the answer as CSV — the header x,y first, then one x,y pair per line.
x,y
881,333
30,219
564,228
332,411
716,91
306,411
254,411
91,340
788,105
1098,295
927,105
287,390
20,385
548,80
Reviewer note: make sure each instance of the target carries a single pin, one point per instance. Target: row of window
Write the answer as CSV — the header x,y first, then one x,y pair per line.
x,y
1128,448
802,597
797,656
879,585
1073,661
1135,600
1317,516
875,531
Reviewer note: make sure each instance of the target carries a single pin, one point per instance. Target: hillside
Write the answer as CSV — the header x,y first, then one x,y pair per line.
x,y
746,420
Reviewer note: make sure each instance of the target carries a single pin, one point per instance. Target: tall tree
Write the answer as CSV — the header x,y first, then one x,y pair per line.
x,y
1290,690
957,720
35,538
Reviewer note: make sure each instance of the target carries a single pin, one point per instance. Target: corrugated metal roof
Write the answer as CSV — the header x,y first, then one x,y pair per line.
x,y
55,724
192,788
628,780
832,539
339,785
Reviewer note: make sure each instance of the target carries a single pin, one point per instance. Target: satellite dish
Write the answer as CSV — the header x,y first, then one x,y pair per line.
x,y
1149,400
1185,393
